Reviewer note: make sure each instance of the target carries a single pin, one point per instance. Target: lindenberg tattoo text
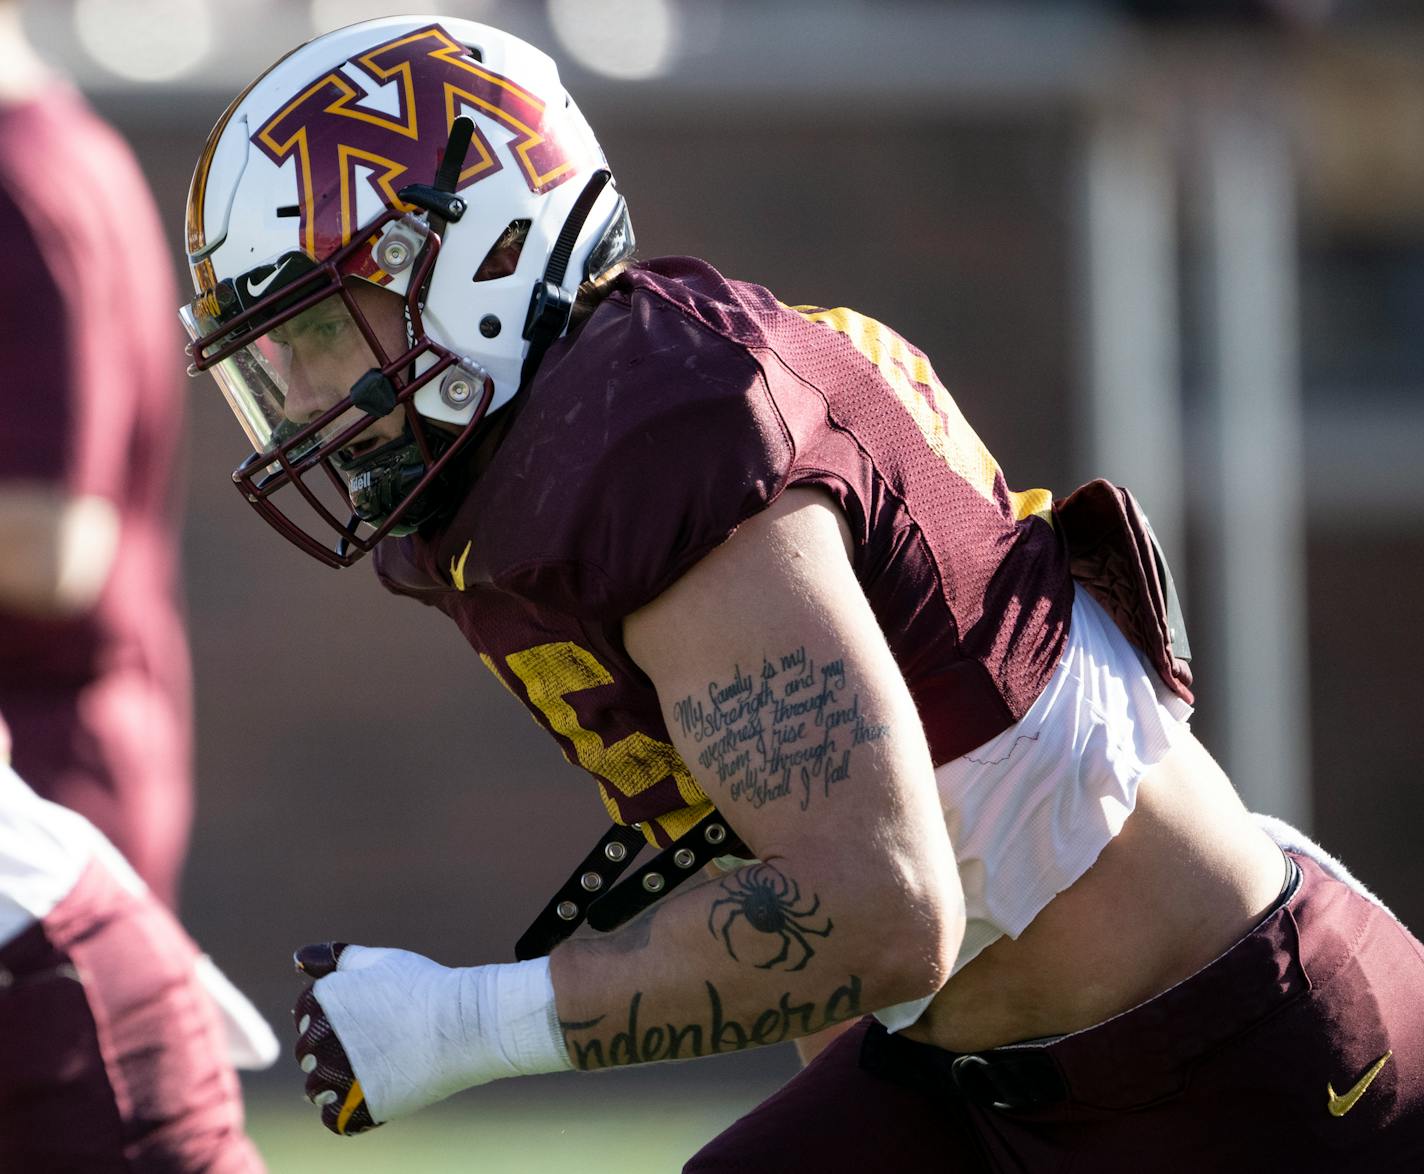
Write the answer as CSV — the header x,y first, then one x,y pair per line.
x,y
640,1042
785,728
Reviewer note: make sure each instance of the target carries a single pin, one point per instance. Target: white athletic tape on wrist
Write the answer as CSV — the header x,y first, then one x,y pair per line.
x,y
416,1032
522,995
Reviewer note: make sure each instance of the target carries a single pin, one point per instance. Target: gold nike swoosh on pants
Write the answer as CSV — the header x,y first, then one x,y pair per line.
x,y
1341,1103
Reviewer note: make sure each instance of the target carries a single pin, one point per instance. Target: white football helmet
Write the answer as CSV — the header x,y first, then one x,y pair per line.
x,y
439,161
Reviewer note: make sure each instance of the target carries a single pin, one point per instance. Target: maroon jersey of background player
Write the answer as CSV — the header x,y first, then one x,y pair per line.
x,y
98,704
685,404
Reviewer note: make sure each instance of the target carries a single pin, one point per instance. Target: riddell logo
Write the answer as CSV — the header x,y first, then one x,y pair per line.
x,y
332,135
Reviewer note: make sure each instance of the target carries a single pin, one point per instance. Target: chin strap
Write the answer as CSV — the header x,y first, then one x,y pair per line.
x,y
438,200
549,304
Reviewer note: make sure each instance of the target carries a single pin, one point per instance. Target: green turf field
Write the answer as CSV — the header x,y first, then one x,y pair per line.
x,y
624,1122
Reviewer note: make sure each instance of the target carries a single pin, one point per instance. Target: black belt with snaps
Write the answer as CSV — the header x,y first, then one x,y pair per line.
x,y
1021,1076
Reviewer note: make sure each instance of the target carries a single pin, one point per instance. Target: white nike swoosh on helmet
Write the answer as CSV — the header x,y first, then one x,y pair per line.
x,y
256,288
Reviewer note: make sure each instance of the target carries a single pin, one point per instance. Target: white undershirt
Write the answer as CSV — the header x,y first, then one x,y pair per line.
x,y
1029,811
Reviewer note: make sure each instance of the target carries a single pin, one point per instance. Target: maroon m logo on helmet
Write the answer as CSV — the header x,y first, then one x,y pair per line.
x,y
332,136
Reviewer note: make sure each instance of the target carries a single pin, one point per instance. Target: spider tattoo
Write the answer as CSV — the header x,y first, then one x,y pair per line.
x,y
768,902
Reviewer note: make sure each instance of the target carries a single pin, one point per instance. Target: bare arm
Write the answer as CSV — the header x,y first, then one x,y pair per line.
x,y
808,1047
58,549
782,696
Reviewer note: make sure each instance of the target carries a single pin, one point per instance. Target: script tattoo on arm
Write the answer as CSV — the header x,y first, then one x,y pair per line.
x,y
640,1042
769,902
789,728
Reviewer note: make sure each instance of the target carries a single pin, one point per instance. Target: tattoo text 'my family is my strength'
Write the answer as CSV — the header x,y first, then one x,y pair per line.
x,y
787,729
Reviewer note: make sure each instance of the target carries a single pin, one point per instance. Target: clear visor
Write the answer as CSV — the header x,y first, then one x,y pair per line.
x,y
298,371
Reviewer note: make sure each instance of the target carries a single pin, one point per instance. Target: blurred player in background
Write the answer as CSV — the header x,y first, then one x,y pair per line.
x,y
755,572
94,667
113,1056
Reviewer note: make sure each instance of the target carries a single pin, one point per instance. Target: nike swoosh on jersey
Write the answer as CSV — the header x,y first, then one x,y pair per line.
x,y
1341,1103
457,569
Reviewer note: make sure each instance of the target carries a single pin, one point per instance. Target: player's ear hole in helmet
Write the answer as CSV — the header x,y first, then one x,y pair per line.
x,y
341,173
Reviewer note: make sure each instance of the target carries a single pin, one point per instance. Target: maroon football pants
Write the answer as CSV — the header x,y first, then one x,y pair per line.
x,y
1301,1048
111,1055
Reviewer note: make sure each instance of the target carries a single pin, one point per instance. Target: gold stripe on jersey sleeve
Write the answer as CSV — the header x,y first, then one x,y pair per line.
x,y
930,406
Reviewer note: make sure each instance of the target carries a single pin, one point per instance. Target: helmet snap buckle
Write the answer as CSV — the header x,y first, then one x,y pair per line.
x,y
446,205
399,245
549,310
461,385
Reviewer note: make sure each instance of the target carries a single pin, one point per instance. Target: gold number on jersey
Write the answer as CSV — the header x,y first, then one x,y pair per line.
x,y
549,673
931,407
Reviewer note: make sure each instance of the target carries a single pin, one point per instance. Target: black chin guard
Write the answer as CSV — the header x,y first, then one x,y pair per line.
x,y
381,481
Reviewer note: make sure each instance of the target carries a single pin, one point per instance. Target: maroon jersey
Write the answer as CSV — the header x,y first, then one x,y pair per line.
x,y
684,405
92,403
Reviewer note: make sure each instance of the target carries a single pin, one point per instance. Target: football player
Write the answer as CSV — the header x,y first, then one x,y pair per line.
x,y
752,568
106,1007
114,1056
94,664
